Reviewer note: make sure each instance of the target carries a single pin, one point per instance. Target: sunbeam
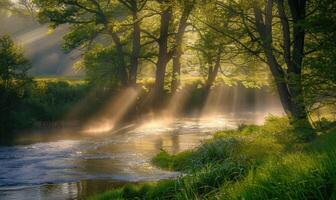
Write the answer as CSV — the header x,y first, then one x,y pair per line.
x,y
177,102
113,112
236,101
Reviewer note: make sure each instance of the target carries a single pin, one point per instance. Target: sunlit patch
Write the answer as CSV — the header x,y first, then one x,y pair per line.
x,y
216,122
112,113
154,126
99,127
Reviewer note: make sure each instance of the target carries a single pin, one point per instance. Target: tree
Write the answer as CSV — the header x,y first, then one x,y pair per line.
x,y
272,31
13,81
164,55
90,20
210,50
99,70
6,4
210,44
220,55
288,82
135,7
170,47
186,6
319,78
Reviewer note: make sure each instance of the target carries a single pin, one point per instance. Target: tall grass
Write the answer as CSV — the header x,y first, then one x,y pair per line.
x,y
253,162
296,176
213,151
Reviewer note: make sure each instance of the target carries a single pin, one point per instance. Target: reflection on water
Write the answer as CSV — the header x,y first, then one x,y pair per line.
x,y
77,168
72,190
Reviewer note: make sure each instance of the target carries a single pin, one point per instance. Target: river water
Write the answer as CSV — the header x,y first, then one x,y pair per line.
x,y
78,167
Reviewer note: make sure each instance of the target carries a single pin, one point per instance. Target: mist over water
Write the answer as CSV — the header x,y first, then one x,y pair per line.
x,y
234,102
238,100
103,156
113,112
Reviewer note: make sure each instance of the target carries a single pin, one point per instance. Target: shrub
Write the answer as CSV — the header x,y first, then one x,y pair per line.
x,y
212,151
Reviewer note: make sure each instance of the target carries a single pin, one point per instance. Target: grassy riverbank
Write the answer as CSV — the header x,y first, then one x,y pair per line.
x,y
253,162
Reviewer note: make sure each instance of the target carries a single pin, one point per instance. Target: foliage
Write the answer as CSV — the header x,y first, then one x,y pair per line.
x,y
320,84
216,151
52,101
23,101
102,68
13,85
44,103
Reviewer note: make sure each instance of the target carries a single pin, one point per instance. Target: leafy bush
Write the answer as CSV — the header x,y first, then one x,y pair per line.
x,y
213,151
50,101
13,84
100,71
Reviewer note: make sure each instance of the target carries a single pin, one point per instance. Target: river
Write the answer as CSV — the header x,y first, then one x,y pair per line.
x,y
79,167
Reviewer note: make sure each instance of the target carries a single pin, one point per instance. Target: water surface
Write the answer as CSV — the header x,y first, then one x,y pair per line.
x,y
80,167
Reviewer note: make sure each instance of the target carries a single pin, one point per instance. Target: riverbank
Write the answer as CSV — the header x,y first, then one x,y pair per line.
x,y
253,162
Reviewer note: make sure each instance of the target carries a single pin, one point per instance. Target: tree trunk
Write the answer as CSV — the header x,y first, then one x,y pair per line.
x,y
178,47
163,56
288,84
298,12
135,48
122,68
213,71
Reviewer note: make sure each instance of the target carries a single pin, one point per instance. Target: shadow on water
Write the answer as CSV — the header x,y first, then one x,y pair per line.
x,y
75,190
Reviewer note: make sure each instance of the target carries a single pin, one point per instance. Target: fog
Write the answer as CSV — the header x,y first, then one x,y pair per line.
x,y
41,45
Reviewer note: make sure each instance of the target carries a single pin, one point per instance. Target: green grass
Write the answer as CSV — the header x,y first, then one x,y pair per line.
x,y
254,162
68,79
295,176
307,174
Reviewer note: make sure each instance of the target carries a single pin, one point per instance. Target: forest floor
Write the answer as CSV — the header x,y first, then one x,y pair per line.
x,y
253,162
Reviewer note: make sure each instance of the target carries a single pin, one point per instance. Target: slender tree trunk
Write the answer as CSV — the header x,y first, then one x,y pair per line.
x,y
163,56
178,47
135,48
122,68
213,71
